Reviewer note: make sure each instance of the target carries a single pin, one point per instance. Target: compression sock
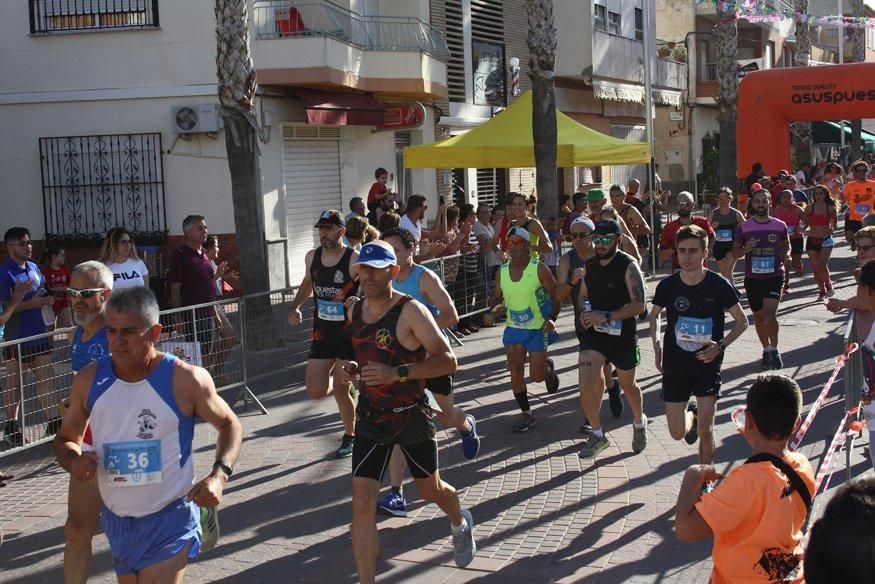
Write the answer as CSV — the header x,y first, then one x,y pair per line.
x,y
522,399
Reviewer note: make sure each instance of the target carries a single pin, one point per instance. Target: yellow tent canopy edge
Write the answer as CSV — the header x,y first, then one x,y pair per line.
x,y
505,141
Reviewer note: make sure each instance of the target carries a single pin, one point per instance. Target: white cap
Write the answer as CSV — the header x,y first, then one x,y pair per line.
x,y
685,196
585,221
519,232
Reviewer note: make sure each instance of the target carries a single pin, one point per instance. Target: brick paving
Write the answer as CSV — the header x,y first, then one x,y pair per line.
x,y
541,512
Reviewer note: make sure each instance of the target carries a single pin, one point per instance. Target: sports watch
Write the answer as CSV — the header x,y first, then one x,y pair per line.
x,y
226,468
403,372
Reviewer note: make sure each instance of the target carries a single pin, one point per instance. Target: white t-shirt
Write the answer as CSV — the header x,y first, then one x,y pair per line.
x,y
800,179
407,224
487,230
129,273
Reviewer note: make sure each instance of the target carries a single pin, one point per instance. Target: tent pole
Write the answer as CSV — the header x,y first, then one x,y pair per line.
x,y
649,42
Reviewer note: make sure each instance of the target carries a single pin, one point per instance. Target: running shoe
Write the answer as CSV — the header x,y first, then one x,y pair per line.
x,y
615,399
393,504
52,426
777,361
639,436
209,527
830,292
346,444
707,487
786,290
471,441
593,445
586,428
464,546
693,435
552,381
527,420
12,433
766,362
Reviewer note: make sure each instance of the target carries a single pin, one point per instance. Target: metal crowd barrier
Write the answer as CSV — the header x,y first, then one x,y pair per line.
x,y
854,381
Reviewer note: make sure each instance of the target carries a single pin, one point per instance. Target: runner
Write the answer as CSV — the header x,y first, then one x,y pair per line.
x,y
518,216
765,245
142,405
526,286
821,218
860,198
724,220
397,347
791,213
611,295
330,277
629,210
568,284
685,206
90,286
695,300
424,286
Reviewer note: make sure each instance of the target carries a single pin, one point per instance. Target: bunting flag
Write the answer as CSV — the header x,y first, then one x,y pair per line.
x,y
758,11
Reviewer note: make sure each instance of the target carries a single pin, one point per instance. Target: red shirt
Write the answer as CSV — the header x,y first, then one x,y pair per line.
x,y
670,231
59,278
377,188
194,271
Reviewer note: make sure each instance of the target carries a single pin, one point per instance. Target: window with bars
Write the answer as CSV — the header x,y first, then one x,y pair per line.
x,y
48,16
94,183
639,24
456,42
613,22
491,185
600,17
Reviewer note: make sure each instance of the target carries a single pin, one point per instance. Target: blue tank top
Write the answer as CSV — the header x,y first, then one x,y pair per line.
x,y
84,352
410,286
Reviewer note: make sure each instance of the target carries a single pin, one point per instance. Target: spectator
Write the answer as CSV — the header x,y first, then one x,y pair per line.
x,y
389,220
648,192
378,190
412,220
485,233
866,301
226,336
757,512
841,546
57,279
551,259
191,282
356,208
119,253
355,232
579,209
473,293
803,176
565,206
6,310
25,320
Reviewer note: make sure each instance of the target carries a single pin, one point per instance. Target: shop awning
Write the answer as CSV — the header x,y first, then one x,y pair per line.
x,y
506,141
330,108
830,133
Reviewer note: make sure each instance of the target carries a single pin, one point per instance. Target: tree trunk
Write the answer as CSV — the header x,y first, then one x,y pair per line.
x,y
858,50
541,40
727,98
803,55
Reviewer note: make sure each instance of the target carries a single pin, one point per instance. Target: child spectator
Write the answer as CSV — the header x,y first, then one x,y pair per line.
x,y
58,279
378,190
757,512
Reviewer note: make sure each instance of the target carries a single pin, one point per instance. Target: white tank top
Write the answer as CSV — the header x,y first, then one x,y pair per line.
x,y
142,440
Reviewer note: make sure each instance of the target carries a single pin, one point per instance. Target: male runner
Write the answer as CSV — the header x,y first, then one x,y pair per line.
x,y
141,404
860,197
525,284
765,244
695,300
568,284
90,286
330,277
398,346
685,206
791,214
611,296
424,286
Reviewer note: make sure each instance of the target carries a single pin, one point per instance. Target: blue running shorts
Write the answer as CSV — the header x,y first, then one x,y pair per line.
x,y
140,542
534,340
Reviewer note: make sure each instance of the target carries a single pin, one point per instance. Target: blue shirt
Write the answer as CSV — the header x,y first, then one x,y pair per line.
x,y
24,323
84,352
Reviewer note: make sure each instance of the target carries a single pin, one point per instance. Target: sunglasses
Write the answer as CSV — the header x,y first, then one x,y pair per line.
x,y
580,235
515,242
86,293
603,240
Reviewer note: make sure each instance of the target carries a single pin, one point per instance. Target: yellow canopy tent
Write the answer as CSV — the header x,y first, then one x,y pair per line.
x,y
506,141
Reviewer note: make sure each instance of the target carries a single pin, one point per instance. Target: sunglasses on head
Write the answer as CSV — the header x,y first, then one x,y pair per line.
x,y
86,293
603,240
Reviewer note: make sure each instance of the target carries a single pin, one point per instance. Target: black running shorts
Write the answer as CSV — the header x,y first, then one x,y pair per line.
x,y
758,290
679,388
370,459
339,347
440,385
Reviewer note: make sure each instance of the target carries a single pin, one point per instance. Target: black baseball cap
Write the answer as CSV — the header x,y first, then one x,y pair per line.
x,y
607,227
329,218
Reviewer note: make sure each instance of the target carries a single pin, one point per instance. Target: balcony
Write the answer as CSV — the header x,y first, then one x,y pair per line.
x,y
53,16
617,59
320,44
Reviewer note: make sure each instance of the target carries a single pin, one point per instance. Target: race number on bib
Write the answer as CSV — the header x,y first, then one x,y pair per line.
x,y
724,235
327,310
696,331
522,317
863,208
615,328
762,265
791,229
131,464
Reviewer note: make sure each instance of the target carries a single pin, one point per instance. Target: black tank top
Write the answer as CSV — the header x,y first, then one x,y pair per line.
x,y
395,412
607,291
332,285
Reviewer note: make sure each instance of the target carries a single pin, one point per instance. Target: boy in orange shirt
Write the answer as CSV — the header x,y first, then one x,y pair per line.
x,y
757,512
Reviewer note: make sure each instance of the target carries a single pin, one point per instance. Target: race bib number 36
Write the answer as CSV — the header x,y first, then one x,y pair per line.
x,y
131,464
327,310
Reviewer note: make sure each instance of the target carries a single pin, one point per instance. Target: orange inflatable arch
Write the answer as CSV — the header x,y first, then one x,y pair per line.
x,y
769,100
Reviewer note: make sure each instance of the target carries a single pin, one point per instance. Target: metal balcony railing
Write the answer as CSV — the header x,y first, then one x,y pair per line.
x,y
50,16
281,19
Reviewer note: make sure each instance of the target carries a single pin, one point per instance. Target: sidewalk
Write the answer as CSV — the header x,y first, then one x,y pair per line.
x,y
541,512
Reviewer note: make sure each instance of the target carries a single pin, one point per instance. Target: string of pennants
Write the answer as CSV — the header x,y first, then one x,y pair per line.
x,y
758,11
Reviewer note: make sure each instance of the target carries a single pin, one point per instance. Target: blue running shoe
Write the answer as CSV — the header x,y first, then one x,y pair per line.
x,y
471,441
393,504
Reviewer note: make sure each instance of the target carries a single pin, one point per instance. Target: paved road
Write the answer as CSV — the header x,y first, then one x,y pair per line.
x,y
541,511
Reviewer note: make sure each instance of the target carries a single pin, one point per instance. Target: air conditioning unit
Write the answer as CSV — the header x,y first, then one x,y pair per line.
x,y
191,119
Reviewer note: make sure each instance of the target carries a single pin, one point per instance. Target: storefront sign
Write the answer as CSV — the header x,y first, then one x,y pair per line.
x,y
490,80
403,116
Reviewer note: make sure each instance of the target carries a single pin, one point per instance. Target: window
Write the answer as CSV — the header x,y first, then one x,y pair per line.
x,y
613,22
870,38
47,16
94,183
488,67
600,17
639,24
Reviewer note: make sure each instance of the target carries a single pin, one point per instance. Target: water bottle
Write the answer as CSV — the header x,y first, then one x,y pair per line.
x,y
587,305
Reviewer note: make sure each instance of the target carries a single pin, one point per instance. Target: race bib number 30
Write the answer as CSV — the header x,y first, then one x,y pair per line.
x,y
132,464
763,265
327,310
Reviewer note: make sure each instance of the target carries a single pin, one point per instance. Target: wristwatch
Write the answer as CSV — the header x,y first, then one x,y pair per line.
x,y
608,318
403,372
721,344
226,468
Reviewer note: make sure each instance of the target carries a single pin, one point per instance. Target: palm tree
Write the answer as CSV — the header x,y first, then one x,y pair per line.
x,y
727,98
237,87
858,50
803,55
541,39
